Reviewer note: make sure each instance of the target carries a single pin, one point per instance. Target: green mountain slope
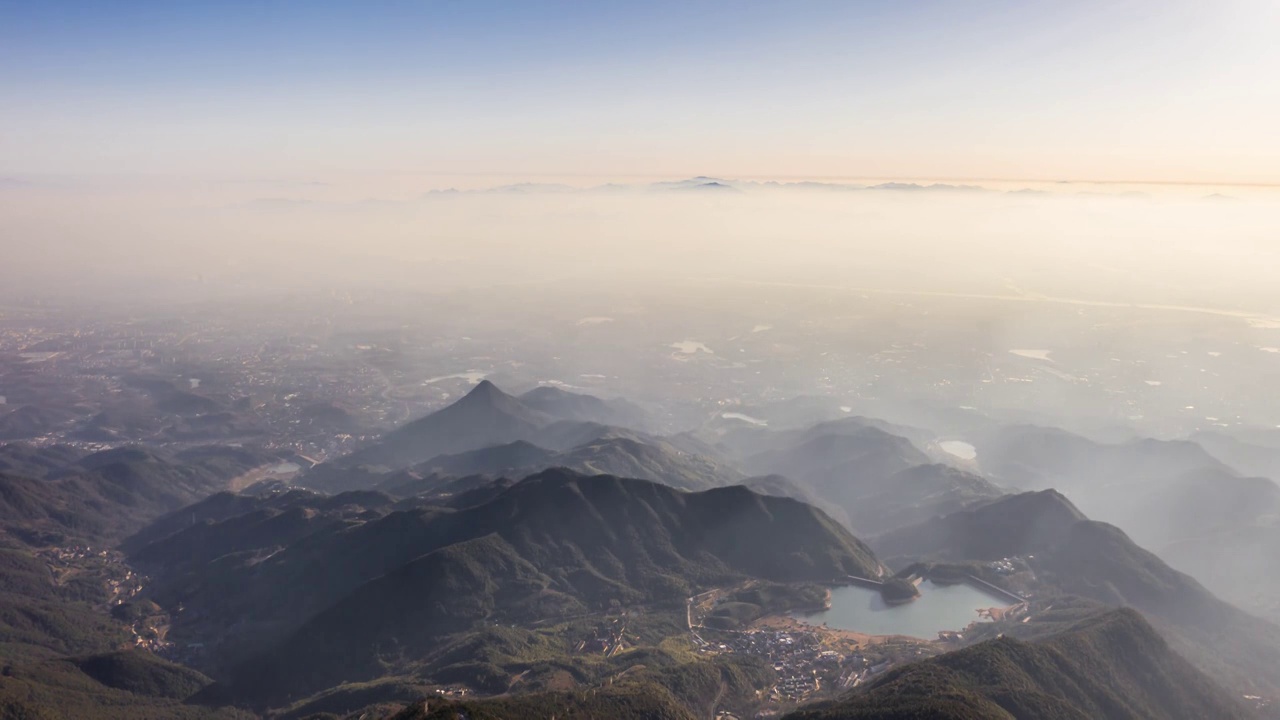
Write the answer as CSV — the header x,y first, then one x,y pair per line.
x,y
124,685
105,495
1111,667
1098,561
379,592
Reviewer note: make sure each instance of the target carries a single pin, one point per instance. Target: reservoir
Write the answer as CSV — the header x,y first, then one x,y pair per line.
x,y
959,448
939,607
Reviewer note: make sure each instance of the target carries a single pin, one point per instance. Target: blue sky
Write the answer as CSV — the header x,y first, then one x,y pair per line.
x,y
1169,91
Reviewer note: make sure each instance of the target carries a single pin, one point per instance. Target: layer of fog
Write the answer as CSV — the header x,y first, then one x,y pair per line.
x,y
1176,250
1116,317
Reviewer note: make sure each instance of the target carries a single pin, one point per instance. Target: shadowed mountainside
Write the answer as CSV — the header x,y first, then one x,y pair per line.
x,y
555,544
1112,667
1095,560
110,493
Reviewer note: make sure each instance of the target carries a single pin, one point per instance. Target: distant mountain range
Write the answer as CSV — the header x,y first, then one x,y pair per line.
x,y
869,474
547,417
1175,497
1161,491
564,405
1253,459
879,480
704,183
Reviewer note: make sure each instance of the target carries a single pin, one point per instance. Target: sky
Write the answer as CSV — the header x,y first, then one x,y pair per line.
x,y
1176,91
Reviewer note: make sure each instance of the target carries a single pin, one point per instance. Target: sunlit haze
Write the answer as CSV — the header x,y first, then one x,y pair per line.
x,y
451,359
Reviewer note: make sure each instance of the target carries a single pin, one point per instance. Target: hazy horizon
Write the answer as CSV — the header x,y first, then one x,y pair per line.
x,y
827,359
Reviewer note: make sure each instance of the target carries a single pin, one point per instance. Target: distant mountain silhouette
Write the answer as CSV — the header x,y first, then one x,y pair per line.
x,y
695,184
779,435
484,417
935,187
1249,458
1159,491
564,405
1168,495
491,432
879,480
826,461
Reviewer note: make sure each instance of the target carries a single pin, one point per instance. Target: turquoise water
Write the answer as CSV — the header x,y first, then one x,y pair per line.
x,y
939,607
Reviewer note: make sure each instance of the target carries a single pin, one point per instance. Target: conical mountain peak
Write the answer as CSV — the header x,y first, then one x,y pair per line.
x,y
484,391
